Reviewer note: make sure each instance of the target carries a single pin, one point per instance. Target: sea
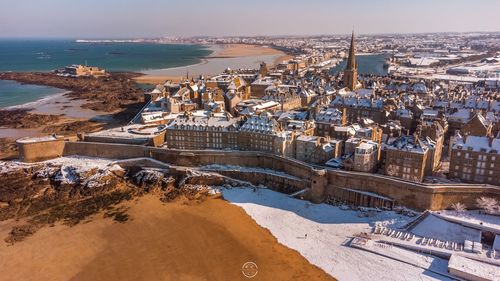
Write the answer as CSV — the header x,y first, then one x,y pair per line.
x,y
367,64
48,55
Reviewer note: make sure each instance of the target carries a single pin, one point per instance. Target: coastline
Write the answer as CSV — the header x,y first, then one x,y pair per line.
x,y
86,105
222,56
37,102
80,108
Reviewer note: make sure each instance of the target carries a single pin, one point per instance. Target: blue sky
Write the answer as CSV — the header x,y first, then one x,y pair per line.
x,y
150,18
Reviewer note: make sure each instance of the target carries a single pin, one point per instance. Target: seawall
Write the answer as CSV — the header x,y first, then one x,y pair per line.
x,y
323,183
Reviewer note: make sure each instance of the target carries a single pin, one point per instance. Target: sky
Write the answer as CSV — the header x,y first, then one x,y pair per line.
x,y
158,18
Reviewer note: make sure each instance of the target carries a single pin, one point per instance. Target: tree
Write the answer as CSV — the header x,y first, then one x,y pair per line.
x,y
458,207
489,205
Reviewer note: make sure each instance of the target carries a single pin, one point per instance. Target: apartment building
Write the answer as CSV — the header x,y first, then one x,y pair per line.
x,y
405,157
476,159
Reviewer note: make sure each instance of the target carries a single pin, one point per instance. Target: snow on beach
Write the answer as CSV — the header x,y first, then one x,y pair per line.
x,y
328,228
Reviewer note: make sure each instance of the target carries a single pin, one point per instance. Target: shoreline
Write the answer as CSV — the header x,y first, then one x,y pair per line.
x,y
222,57
40,101
86,105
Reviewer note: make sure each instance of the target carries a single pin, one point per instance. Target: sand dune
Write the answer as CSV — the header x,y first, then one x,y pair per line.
x,y
173,241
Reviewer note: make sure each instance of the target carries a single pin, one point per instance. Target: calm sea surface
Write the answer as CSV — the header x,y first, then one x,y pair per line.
x,y
47,55
367,64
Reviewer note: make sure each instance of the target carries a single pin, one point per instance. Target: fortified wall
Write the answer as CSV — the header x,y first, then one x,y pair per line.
x,y
40,149
358,188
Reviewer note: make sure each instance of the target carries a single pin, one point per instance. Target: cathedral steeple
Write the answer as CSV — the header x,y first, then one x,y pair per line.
x,y
351,60
351,69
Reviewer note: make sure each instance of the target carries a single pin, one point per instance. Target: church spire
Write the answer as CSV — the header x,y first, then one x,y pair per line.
x,y
351,69
351,60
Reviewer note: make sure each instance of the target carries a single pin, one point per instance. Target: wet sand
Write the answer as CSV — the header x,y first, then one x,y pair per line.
x,y
173,241
243,50
232,55
62,104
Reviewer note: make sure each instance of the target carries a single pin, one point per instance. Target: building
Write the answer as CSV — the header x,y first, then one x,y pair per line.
x,y
405,157
362,155
263,133
477,126
78,70
356,108
433,135
326,120
316,150
476,159
366,156
202,131
351,69
285,95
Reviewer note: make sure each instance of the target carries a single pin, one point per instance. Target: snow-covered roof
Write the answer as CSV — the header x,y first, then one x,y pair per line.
x,y
262,124
478,144
329,115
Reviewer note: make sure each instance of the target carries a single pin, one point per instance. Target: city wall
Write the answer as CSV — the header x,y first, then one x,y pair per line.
x,y
40,150
322,183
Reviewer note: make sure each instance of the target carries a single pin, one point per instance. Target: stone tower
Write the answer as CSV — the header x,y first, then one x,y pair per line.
x,y
351,69
263,71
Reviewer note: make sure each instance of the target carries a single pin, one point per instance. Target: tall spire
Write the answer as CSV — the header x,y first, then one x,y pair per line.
x,y
351,60
351,69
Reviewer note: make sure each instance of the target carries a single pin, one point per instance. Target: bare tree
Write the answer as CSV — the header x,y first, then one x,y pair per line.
x,y
489,205
458,207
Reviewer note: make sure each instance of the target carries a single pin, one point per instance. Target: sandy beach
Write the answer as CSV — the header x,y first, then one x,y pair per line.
x,y
231,55
162,241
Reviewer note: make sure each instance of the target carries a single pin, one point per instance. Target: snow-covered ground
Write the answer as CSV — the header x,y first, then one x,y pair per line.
x,y
220,167
472,218
434,227
328,228
69,168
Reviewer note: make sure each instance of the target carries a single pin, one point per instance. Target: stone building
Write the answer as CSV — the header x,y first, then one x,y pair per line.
x,y
406,158
215,131
362,155
316,150
477,126
476,159
78,70
433,135
285,95
458,119
259,86
356,108
326,120
406,118
366,157
263,133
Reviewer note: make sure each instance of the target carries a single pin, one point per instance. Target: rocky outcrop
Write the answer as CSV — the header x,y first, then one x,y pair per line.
x,y
45,193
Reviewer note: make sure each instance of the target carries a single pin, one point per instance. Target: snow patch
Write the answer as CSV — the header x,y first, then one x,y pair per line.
x,y
328,230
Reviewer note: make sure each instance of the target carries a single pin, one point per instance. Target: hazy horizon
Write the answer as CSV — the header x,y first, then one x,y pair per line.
x,y
114,19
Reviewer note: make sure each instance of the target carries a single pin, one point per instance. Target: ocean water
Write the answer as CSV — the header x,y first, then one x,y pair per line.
x,y
367,64
47,55
13,93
